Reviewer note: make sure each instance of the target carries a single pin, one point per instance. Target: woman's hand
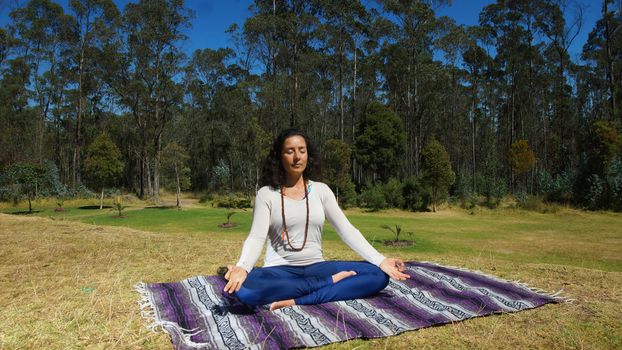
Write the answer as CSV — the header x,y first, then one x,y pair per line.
x,y
394,268
236,276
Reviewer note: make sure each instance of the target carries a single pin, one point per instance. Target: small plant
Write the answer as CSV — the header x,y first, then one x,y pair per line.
x,y
118,206
59,205
228,224
229,215
397,232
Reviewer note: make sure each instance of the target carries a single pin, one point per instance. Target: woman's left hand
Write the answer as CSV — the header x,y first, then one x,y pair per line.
x,y
394,268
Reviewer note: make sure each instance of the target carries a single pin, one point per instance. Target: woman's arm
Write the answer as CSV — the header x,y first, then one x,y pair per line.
x,y
348,233
353,238
259,231
253,245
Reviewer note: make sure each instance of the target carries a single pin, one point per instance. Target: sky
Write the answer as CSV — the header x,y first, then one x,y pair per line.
x,y
213,17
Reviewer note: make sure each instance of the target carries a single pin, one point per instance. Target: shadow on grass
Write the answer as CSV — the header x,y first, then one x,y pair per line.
x,y
402,243
94,207
24,212
162,207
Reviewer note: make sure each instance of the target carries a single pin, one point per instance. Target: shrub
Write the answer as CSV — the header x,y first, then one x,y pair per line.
x,y
614,184
594,192
393,193
373,198
347,195
493,190
416,196
534,203
556,189
238,201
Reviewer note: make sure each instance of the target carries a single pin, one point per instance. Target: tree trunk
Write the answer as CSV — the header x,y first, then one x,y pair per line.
x,y
178,187
341,110
101,200
353,122
77,138
473,144
610,78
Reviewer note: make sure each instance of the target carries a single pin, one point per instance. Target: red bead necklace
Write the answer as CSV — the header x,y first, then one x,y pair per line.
x,y
284,233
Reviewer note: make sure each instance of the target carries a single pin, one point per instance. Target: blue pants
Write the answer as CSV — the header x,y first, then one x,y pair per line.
x,y
311,284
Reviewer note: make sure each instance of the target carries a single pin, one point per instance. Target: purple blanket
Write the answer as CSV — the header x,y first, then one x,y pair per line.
x,y
197,314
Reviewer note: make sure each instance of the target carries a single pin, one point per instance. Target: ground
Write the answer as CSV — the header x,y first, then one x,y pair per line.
x,y
66,278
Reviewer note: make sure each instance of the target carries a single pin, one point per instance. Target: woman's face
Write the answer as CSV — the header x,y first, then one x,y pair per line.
x,y
294,155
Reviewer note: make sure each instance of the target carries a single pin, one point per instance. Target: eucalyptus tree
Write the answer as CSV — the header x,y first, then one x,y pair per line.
x,y
517,38
408,54
143,65
341,33
18,122
381,143
453,41
478,64
42,32
603,53
205,76
262,33
4,45
95,21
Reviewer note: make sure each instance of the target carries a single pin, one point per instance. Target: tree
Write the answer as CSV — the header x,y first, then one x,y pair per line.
x,y
336,163
438,174
602,146
25,180
522,158
381,143
43,31
175,170
96,21
103,164
602,51
143,64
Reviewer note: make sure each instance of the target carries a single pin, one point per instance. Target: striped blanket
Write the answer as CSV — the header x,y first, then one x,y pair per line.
x,y
196,313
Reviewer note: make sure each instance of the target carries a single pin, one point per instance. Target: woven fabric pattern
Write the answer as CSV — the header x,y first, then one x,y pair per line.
x,y
196,313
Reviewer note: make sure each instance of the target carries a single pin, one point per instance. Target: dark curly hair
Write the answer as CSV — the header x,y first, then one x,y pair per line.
x,y
273,173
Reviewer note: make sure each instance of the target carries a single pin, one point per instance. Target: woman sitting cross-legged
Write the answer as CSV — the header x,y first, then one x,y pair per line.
x,y
290,211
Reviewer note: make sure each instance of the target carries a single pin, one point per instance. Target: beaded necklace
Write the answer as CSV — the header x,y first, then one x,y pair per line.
x,y
284,233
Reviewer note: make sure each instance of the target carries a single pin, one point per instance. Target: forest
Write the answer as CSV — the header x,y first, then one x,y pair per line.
x,y
405,107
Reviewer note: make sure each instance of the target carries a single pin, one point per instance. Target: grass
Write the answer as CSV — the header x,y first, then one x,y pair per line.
x,y
66,278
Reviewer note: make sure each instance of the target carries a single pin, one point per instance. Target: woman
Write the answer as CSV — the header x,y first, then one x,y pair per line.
x,y
290,211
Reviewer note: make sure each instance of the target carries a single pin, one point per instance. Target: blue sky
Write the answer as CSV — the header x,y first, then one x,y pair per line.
x,y
213,17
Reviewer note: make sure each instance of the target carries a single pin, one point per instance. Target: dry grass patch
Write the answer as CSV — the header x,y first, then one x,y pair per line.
x,y
64,285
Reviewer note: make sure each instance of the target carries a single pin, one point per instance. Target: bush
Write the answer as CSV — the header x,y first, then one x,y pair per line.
x,y
468,201
347,195
494,190
238,201
416,196
206,197
614,184
533,203
594,192
81,191
556,189
373,198
393,193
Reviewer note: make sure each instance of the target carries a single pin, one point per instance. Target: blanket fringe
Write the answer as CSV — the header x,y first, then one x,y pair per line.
x,y
155,323
555,295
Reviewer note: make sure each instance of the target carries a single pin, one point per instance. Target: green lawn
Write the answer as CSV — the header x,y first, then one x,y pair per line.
x,y
568,237
66,278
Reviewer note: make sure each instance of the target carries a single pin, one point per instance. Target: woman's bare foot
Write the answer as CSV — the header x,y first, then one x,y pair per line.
x,y
282,303
343,274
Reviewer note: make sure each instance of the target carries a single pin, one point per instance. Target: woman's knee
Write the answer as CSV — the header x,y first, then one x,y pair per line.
x,y
248,297
381,280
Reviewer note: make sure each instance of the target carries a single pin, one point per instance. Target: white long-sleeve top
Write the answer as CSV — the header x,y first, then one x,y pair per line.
x,y
268,223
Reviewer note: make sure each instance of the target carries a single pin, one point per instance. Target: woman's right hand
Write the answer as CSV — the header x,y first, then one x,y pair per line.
x,y
236,276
